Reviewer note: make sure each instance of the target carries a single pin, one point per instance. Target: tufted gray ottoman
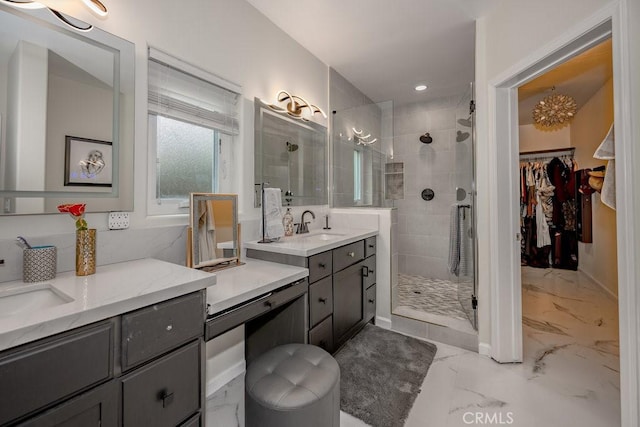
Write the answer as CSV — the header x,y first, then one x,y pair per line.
x,y
293,385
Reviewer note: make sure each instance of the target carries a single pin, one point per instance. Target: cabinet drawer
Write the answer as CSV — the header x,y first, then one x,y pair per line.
x,y
369,271
320,266
98,407
370,303
370,246
45,372
346,255
220,323
320,300
154,330
322,335
165,392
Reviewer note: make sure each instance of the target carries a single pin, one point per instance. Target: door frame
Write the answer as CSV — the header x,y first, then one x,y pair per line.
x,y
505,276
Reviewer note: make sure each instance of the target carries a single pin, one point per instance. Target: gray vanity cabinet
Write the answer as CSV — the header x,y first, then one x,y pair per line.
x,y
153,375
341,289
347,303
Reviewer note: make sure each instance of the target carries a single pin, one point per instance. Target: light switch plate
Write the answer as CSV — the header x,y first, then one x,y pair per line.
x,y
118,220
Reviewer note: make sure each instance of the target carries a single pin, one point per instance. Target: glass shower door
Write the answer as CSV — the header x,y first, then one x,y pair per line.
x,y
464,210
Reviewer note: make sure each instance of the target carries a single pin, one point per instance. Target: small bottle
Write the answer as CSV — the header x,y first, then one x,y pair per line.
x,y
287,222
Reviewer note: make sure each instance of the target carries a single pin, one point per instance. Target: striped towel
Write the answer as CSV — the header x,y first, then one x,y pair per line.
x,y
454,240
458,241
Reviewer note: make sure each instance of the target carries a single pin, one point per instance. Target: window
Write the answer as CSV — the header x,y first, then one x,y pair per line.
x,y
357,176
193,122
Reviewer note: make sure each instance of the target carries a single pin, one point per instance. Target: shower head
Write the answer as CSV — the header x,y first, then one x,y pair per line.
x,y
465,122
291,147
461,136
426,138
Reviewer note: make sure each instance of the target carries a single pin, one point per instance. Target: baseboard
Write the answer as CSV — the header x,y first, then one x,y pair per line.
x,y
224,377
484,349
599,283
383,322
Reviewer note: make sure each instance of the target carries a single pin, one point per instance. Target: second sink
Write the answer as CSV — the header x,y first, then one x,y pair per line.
x,y
32,297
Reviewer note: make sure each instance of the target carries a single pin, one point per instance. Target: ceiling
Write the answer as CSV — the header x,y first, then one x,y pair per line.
x,y
387,47
580,77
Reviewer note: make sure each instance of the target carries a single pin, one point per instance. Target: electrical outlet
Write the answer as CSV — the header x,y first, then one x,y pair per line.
x,y
118,220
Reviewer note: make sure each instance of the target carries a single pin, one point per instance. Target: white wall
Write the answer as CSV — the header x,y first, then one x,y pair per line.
x,y
588,129
531,138
504,38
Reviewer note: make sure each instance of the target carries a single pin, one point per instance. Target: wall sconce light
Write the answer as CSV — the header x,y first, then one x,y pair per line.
x,y
96,6
361,138
296,106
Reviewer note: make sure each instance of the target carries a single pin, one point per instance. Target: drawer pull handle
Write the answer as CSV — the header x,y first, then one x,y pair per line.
x,y
166,397
372,301
352,254
322,300
371,271
372,246
322,265
268,304
169,327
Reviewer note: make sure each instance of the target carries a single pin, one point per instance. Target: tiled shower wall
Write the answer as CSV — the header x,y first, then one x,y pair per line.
x,y
423,226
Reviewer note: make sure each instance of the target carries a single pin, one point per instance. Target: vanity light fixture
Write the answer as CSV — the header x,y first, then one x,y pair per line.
x,y
420,88
554,110
95,6
362,139
297,107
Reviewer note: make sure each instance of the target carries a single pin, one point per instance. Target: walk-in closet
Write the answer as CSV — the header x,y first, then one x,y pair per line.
x,y
568,228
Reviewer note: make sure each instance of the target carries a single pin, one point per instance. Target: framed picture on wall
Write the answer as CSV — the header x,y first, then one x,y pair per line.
x,y
88,162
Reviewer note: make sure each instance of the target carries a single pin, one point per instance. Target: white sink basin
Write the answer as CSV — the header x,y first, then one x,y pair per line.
x,y
30,297
323,236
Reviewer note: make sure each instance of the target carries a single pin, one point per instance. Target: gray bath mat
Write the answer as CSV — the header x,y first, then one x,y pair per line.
x,y
380,375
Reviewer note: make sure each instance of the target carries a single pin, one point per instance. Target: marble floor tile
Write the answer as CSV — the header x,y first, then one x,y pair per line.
x,y
569,376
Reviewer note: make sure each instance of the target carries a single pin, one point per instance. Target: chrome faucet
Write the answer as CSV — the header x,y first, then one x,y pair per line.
x,y
303,227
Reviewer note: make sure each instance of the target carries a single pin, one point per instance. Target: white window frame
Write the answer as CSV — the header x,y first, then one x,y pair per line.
x,y
155,206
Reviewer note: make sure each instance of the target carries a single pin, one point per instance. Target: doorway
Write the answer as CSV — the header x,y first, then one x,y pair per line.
x,y
568,233
505,287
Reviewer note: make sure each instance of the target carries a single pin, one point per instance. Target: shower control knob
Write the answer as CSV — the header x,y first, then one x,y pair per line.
x,y
427,194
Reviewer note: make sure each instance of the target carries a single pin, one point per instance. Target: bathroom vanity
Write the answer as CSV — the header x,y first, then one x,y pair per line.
x,y
124,347
342,277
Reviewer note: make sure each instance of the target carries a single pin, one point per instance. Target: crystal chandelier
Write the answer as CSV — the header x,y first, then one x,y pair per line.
x,y
554,110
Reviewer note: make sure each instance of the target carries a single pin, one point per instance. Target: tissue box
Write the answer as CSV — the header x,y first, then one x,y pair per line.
x,y
39,264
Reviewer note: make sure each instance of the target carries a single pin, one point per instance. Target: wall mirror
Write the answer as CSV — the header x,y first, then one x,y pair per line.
x,y
66,115
290,154
213,235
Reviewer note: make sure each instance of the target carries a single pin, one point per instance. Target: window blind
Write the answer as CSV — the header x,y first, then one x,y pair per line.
x,y
190,96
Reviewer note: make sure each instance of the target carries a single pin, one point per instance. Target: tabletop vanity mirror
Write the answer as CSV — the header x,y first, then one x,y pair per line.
x,y
214,238
66,115
290,154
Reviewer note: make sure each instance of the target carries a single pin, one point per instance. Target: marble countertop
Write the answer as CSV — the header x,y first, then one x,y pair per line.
x,y
314,242
238,284
113,290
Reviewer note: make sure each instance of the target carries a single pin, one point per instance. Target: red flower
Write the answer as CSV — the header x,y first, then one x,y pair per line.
x,y
73,209
76,211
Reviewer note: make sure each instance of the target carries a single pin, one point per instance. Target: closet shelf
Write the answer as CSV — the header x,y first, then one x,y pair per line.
x,y
554,152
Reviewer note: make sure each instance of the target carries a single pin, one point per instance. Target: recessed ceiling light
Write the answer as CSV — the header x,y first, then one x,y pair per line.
x,y
420,88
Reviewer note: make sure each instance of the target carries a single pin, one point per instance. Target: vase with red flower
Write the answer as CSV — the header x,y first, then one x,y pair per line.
x,y
85,240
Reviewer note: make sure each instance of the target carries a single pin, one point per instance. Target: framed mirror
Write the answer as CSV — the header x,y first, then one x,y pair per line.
x,y
290,154
213,235
66,115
